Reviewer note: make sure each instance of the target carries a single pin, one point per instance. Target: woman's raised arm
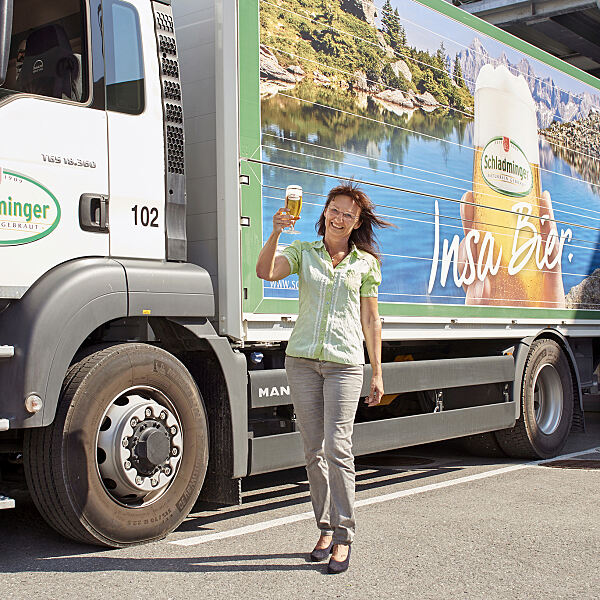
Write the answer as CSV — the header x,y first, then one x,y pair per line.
x,y
269,266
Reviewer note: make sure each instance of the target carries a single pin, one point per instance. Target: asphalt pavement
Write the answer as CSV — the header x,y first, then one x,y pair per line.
x,y
433,522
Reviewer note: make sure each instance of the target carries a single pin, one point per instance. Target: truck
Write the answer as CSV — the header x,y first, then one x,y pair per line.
x,y
146,145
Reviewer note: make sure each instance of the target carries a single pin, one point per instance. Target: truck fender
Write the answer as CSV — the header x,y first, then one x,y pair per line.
x,y
520,354
46,328
235,374
566,346
167,289
52,320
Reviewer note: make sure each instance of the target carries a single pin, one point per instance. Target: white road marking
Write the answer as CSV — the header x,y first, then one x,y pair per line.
x,y
211,537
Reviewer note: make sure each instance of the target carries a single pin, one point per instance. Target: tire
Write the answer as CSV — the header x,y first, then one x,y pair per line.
x,y
483,444
546,405
126,456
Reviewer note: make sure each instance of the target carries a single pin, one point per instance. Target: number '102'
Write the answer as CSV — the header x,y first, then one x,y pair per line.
x,y
144,216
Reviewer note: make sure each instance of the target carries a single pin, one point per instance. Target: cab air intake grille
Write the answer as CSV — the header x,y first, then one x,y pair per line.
x,y
174,113
166,45
164,22
172,91
170,68
175,149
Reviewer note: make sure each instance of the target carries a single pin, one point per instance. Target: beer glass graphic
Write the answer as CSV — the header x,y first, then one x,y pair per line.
x,y
506,182
293,205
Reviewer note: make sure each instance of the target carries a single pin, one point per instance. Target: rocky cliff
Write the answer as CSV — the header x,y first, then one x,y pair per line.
x,y
363,9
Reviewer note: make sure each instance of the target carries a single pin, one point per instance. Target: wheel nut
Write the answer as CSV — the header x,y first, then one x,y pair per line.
x,y
174,451
134,422
154,481
125,442
139,480
127,465
163,415
148,412
167,471
173,430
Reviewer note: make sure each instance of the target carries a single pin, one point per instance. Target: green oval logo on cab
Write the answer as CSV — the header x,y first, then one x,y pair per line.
x,y
28,210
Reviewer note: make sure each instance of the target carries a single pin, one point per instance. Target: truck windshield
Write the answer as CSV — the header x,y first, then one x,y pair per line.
x,y
48,55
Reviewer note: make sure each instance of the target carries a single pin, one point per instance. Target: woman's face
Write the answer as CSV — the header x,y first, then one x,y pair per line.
x,y
341,217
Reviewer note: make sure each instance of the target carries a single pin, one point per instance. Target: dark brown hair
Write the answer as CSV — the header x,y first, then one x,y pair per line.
x,y
362,237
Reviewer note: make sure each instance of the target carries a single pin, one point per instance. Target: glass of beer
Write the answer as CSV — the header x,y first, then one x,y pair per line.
x,y
293,205
506,183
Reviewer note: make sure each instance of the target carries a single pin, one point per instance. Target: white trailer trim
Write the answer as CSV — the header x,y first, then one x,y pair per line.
x,y
278,328
7,352
6,502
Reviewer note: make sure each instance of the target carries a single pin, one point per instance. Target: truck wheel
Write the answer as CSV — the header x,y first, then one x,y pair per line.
x,y
546,405
126,456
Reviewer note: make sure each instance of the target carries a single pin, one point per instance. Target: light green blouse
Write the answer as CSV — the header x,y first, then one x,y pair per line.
x,y
328,325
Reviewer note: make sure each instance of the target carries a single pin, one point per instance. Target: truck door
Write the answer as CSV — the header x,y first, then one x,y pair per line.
x,y
53,148
135,131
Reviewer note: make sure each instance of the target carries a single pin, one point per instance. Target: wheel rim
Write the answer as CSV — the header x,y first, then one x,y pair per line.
x,y
139,446
547,399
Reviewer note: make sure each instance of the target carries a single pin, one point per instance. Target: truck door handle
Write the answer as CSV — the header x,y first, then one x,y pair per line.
x,y
93,213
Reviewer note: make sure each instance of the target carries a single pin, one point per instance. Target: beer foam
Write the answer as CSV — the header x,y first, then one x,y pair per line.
x,y
504,107
501,78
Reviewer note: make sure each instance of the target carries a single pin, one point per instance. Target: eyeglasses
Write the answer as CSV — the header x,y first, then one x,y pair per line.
x,y
335,213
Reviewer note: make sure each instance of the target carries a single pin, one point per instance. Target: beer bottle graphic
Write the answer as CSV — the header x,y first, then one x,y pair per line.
x,y
506,183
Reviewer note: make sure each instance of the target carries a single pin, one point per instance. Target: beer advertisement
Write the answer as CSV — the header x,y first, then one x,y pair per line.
x,y
480,150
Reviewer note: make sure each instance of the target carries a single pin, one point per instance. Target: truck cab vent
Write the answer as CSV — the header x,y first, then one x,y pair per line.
x,y
164,22
172,91
175,149
166,46
174,113
170,68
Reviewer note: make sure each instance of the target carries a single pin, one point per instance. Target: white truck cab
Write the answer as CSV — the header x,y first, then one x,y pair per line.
x,y
92,232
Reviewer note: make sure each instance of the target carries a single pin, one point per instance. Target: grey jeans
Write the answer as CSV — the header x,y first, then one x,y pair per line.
x,y
325,397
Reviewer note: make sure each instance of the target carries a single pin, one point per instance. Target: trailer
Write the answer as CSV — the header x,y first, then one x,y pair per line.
x,y
146,145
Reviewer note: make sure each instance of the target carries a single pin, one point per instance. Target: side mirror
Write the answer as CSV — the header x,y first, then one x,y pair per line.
x,y
6,17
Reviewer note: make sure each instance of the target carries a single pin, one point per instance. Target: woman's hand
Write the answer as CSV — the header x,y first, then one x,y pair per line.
x,y
376,392
281,220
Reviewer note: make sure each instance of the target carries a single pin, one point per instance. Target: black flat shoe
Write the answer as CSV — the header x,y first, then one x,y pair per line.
x,y
319,554
335,566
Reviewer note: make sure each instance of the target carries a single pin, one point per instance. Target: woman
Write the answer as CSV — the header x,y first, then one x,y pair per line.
x,y
338,280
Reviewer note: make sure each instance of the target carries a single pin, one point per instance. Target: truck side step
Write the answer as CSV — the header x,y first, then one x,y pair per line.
x,y
6,502
7,351
285,450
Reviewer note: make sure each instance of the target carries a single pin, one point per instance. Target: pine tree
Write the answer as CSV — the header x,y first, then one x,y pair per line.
x,y
457,73
440,56
390,19
387,17
401,32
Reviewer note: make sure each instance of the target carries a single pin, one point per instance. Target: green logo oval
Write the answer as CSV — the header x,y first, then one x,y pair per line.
x,y
505,168
28,210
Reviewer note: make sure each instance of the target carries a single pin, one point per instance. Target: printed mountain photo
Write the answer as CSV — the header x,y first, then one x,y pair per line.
x,y
385,93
